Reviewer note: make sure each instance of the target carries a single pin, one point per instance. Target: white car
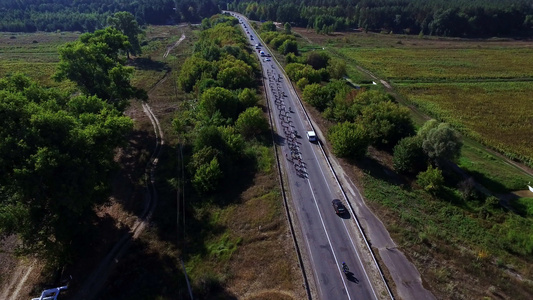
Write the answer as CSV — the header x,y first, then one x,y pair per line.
x,y
267,59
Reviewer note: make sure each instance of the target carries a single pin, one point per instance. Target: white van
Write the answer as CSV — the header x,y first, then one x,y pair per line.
x,y
311,135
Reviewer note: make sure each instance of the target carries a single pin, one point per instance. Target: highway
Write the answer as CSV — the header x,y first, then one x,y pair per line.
x,y
328,239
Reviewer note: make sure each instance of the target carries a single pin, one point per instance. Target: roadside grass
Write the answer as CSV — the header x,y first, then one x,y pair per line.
x,y
450,245
523,206
491,170
497,114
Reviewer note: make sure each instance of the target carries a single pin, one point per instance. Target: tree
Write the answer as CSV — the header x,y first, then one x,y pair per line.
x,y
234,78
386,123
251,122
408,155
125,22
316,95
431,180
221,100
442,142
56,160
349,140
289,46
94,64
336,68
248,98
317,59
192,70
207,177
287,28
268,26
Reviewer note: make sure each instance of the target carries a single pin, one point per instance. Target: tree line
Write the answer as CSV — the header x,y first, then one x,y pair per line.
x,y
89,15
221,127
57,146
434,17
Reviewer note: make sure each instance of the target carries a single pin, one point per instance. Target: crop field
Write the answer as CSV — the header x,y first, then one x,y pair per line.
x,y
482,87
33,54
496,113
432,64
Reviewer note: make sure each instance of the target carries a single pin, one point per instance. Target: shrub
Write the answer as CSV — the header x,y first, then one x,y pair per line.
x,y
431,180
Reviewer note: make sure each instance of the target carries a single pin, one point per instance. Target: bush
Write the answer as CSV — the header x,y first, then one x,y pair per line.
x,y
302,83
431,180
349,140
408,155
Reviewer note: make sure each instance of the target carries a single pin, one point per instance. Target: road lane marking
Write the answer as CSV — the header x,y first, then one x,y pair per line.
x,y
346,229
329,240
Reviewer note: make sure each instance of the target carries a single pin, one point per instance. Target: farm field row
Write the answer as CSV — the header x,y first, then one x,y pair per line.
x,y
495,113
482,87
405,63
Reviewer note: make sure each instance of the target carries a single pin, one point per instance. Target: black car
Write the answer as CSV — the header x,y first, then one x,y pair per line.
x,y
338,206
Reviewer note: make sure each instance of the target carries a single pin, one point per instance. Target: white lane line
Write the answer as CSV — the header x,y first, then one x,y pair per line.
x,y
329,240
345,228
359,259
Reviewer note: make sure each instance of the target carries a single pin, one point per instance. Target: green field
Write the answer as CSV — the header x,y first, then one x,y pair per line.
x,y
434,64
34,54
482,87
495,113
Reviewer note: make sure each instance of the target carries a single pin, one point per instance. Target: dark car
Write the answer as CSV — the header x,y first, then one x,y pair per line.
x,y
338,206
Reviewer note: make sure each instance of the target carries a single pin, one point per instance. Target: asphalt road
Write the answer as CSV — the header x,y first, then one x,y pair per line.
x,y
329,239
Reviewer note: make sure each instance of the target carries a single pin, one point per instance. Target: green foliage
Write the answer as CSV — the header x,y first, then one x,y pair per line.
x,y
287,28
94,64
450,18
386,123
234,73
317,59
408,155
291,58
248,98
268,26
288,46
251,122
207,177
302,83
349,140
89,15
336,68
315,95
192,70
221,100
56,157
441,142
125,22
431,180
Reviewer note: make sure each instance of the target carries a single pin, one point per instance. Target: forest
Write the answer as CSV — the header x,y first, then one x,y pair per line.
x,y
89,15
458,18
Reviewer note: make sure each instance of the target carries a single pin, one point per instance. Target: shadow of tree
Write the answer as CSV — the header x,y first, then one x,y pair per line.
x,y
146,64
156,276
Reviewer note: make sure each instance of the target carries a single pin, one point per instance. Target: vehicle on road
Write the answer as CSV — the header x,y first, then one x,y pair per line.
x,y
267,59
338,206
311,135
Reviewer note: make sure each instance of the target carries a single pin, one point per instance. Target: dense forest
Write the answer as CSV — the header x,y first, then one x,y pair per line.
x,y
89,15
431,17
434,17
